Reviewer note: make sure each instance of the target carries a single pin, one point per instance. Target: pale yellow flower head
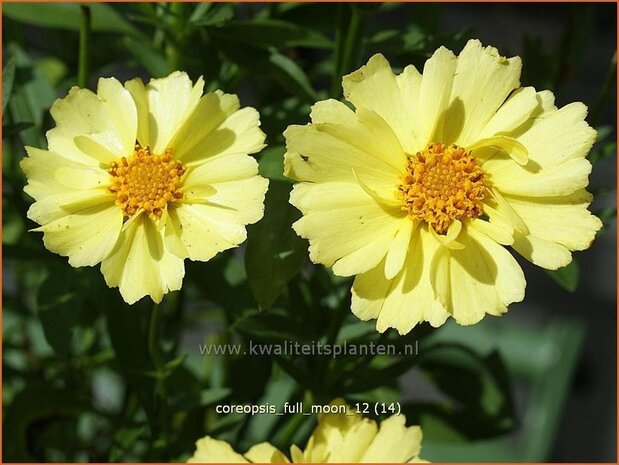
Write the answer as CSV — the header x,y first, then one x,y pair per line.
x,y
338,438
139,177
421,188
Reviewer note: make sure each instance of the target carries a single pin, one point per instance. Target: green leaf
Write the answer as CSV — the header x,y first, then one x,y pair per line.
x,y
567,277
260,427
376,375
124,439
274,252
67,16
271,64
127,328
272,163
205,398
9,130
272,33
8,75
32,95
479,402
37,402
147,56
59,302
211,14
291,76
271,327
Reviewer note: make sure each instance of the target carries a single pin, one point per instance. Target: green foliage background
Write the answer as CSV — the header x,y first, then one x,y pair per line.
x,y
88,378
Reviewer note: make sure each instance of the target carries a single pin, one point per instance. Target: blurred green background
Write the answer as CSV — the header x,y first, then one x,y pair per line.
x,y
87,378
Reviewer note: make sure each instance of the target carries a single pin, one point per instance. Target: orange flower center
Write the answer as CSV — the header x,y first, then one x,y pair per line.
x,y
442,184
146,181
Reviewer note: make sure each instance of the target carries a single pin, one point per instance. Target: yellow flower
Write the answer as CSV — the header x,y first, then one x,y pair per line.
x,y
418,190
338,438
140,177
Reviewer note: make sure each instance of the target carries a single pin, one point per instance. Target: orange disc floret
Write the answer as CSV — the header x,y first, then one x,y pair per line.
x,y
442,184
146,182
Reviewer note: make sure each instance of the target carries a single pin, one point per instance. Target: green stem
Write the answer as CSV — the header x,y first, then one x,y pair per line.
x,y
84,48
353,41
348,42
175,46
602,99
159,363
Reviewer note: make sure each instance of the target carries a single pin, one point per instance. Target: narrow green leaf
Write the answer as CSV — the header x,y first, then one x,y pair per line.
x,y
567,277
265,63
478,394
147,56
59,304
274,252
270,327
272,33
292,76
32,95
37,402
8,75
212,14
207,397
12,129
68,16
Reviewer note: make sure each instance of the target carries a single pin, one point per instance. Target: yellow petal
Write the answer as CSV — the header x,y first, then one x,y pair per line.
x,y
212,110
390,201
171,100
230,182
396,256
122,110
363,129
61,186
409,83
516,110
87,236
265,453
557,142
137,89
482,82
406,300
297,455
496,231
203,230
556,225
140,264
434,95
106,116
449,239
339,437
355,443
238,133
394,443
310,157
209,450
101,146
374,87
340,220
505,208
481,278
509,145
82,178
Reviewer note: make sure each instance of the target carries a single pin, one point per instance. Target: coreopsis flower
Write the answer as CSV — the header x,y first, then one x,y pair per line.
x,y
419,190
338,438
139,177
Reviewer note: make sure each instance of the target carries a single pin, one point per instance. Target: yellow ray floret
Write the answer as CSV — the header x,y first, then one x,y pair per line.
x,y
139,177
419,189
